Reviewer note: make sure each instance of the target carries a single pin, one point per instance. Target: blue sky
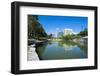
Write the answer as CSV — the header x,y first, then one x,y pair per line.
x,y
51,23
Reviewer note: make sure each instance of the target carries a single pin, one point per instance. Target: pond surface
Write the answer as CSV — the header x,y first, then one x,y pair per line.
x,y
53,50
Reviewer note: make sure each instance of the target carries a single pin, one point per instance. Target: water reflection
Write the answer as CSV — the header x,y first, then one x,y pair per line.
x,y
61,50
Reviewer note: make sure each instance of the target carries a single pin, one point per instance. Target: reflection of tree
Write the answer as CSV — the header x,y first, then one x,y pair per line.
x,y
70,45
40,50
83,47
67,45
49,42
35,29
63,46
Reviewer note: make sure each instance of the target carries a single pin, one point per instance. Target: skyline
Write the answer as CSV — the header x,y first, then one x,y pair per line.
x,y
52,24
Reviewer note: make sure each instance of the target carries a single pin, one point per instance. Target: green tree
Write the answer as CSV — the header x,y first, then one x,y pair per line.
x,y
50,36
35,29
68,37
83,33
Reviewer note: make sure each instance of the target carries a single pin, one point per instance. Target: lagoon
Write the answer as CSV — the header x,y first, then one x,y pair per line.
x,y
53,50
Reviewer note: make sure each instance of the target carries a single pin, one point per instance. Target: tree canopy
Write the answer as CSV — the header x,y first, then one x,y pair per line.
x,y
35,29
83,33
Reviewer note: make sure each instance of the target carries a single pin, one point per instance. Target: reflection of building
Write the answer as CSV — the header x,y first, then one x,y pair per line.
x,y
68,31
69,47
60,34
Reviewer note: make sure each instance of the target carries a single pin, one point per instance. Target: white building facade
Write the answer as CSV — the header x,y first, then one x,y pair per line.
x,y
68,31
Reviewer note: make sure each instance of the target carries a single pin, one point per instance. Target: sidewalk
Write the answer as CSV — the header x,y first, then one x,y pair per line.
x,y
32,55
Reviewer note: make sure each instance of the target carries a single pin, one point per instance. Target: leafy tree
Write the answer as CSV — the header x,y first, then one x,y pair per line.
x,y
50,36
35,29
68,37
83,33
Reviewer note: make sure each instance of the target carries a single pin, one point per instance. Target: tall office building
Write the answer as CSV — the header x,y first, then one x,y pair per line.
x,y
68,31
60,34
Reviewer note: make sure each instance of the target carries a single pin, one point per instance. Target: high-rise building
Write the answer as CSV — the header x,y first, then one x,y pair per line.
x,y
68,31
60,34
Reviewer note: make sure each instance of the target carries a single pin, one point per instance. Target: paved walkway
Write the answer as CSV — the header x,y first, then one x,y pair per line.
x,y
32,55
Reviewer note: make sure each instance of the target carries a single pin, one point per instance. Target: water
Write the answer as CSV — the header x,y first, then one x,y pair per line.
x,y
62,50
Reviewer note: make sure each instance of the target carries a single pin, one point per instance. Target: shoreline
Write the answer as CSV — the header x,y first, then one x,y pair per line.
x,y
32,55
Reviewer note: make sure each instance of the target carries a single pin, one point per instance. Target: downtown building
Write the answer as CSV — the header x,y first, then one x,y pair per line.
x,y
68,32
65,32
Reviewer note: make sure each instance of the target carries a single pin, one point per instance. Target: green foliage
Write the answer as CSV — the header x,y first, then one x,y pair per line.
x,y
68,37
35,29
83,33
73,36
50,36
